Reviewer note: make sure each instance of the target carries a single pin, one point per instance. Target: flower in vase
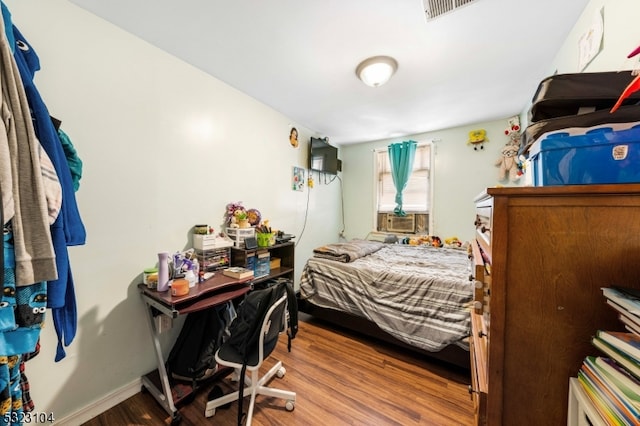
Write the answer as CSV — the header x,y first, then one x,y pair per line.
x,y
240,215
233,211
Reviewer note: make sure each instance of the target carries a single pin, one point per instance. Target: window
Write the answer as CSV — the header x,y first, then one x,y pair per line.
x,y
417,194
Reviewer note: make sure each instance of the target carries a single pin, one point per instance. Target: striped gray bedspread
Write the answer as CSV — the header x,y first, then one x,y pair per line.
x,y
420,295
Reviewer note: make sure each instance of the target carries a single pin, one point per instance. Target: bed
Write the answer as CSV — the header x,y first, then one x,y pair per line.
x,y
415,296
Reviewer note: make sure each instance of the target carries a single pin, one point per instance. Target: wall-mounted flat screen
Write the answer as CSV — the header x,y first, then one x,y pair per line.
x,y
322,156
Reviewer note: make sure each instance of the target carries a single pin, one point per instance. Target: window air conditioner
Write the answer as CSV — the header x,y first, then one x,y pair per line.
x,y
406,224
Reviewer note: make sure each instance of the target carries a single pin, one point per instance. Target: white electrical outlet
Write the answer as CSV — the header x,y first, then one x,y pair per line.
x,y
163,323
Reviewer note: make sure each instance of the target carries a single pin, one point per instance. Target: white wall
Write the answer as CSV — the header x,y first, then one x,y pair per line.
x,y
621,36
164,147
460,172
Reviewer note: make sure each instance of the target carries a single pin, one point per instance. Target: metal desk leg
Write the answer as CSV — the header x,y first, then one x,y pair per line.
x,y
164,396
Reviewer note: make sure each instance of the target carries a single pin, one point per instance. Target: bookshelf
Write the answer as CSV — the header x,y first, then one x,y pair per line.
x,y
581,411
547,252
607,388
283,251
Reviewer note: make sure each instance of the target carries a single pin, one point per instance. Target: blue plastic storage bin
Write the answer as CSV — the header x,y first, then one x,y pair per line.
x,y
596,157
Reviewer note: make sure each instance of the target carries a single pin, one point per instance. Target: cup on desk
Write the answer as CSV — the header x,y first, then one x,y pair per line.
x,y
150,277
179,287
264,239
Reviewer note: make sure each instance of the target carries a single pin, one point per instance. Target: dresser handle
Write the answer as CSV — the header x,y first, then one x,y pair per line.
x,y
484,229
481,334
472,391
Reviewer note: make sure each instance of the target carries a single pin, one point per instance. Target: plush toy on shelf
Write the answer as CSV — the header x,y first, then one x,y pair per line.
x,y
509,163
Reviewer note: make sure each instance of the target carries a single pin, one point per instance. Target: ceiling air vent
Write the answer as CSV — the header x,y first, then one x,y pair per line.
x,y
435,8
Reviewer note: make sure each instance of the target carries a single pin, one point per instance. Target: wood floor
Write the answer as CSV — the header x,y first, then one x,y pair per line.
x,y
340,379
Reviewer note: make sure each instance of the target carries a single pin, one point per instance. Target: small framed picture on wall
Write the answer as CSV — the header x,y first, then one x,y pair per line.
x,y
298,179
293,137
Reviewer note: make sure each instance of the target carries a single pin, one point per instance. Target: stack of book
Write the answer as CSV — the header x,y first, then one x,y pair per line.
x,y
238,272
612,382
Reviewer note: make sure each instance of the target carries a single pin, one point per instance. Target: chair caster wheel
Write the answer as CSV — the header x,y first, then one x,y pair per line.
x,y
176,419
281,372
290,405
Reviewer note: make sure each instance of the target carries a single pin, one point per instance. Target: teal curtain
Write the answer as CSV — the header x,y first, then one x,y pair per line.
x,y
401,157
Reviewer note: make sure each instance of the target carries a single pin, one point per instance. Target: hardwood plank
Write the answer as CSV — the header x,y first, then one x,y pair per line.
x,y
340,378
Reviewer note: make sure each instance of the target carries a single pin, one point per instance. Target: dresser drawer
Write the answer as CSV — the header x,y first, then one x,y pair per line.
x,y
481,280
483,223
483,226
478,351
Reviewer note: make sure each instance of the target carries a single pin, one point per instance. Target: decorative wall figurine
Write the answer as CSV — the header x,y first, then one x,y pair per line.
x,y
293,137
477,138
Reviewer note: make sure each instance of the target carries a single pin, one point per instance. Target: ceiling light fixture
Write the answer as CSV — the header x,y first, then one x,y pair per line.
x,y
377,70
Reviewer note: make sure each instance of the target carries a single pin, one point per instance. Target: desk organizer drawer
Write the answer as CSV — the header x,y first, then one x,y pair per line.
x,y
209,242
212,260
238,235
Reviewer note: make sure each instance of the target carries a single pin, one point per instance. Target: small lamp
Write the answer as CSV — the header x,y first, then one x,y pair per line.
x,y
377,70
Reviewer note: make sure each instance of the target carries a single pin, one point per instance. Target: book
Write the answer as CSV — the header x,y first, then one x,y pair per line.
x,y
623,341
238,272
629,324
622,310
599,402
620,378
630,321
613,396
627,298
629,363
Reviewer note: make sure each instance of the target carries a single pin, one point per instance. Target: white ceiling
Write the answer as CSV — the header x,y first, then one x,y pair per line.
x,y
481,62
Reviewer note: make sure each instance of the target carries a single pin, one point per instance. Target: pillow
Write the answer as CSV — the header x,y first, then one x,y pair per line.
x,y
390,239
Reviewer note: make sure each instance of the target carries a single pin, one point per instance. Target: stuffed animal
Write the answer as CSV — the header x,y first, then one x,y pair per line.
x,y
452,242
508,162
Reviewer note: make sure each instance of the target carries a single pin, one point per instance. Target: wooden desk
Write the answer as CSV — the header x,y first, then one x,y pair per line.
x,y
215,291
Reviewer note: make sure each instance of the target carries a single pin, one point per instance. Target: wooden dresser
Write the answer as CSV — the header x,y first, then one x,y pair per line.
x,y
542,255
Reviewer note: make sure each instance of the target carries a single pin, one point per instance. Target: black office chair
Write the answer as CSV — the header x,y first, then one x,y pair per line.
x,y
273,324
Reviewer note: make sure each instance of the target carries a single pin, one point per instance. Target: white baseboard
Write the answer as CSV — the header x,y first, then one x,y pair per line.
x,y
100,406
